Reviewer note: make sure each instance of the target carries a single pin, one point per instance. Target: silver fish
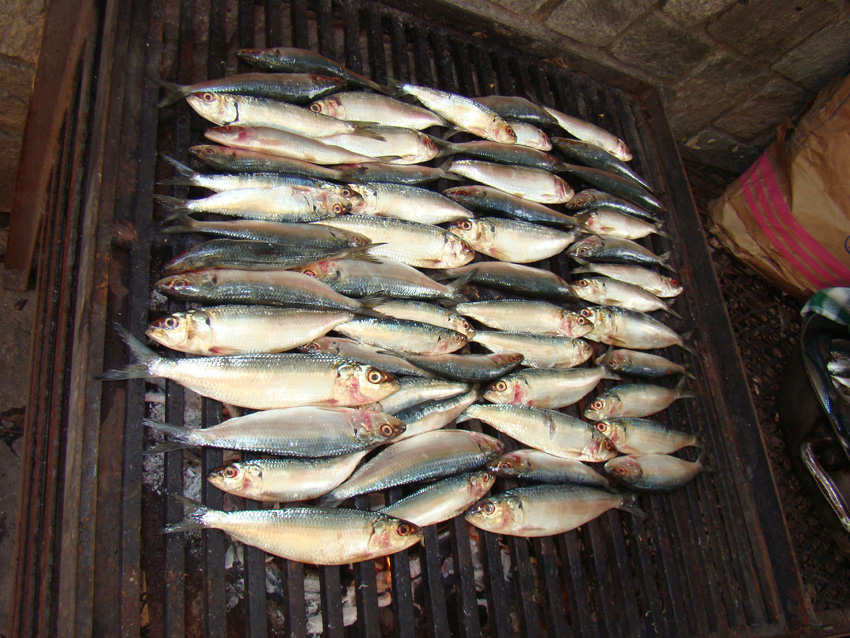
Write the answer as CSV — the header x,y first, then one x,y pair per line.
x,y
512,240
427,313
617,224
291,234
364,354
595,199
361,106
516,315
473,368
530,183
652,472
630,329
530,136
595,248
442,500
413,390
640,364
641,436
542,388
534,465
396,145
588,132
634,400
539,351
611,292
408,203
515,278
434,415
403,336
649,280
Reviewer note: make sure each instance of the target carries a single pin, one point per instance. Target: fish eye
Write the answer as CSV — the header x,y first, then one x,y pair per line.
x,y
673,282
375,376
208,97
489,508
337,208
602,426
582,283
609,445
487,478
597,405
403,529
515,357
466,225
316,108
346,192
387,430
500,386
225,129
504,466
581,321
620,471
510,131
311,347
309,273
230,472
171,323
587,313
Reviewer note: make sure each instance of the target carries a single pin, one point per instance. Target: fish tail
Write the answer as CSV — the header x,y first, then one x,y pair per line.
x,y
175,92
600,361
460,282
140,368
184,175
176,207
665,258
629,505
670,310
188,225
193,516
367,306
330,501
682,392
359,253
686,337
661,233
178,437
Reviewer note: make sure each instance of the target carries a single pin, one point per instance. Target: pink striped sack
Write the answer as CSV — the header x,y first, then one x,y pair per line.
x,y
788,215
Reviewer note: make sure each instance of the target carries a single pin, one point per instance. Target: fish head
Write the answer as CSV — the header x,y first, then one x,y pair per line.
x,y
511,465
347,236
501,131
181,329
563,191
595,315
187,285
622,151
573,324
462,193
589,221
468,230
391,535
450,343
479,483
496,513
241,479
671,286
625,470
330,106
507,358
266,59
583,350
600,448
488,445
616,432
323,344
331,202
359,384
602,407
216,155
231,135
618,361
507,390
364,198
376,427
220,108
456,252
326,270
586,247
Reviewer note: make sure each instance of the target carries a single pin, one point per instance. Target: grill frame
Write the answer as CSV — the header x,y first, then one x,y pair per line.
x,y
82,561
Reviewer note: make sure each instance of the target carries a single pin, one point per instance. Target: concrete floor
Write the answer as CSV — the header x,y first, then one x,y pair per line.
x,y
16,317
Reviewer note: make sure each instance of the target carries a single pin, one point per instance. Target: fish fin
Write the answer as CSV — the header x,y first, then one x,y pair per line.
x,y
664,262
193,516
600,361
463,416
454,130
363,128
188,225
176,207
687,337
461,281
175,93
630,505
165,446
180,167
178,437
359,253
387,158
672,312
395,87
368,303
329,501
682,392
140,368
662,233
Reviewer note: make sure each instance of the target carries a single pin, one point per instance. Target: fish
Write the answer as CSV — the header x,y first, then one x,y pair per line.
x,y
398,145
402,335
411,243
286,234
547,430
413,390
410,174
534,465
596,248
539,351
545,510
587,132
599,200
264,287
530,136
386,278
284,480
620,186
279,203
630,329
422,458
511,240
290,59
239,160
411,310
514,107
634,400
428,416
616,224
486,199
463,112
515,278
235,329
299,432
652,472
307,534
519,315
185,176
274,141
409,203
651,281
542,388
640,364
442,500
362,353
297,88
263,381
632,435
596,157
612,292
471,368
531,183
362,106
503,153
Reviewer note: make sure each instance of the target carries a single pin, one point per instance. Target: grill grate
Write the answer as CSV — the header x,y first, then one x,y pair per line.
x,y
712,558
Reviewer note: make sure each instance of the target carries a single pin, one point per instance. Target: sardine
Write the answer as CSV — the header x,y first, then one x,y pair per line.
x,y
285,234
411,243
652,472
422,458
517,315
186,176
403,145
620,186
541,388
427,313
503,154
364,354
307,534
534,465
428,416
640,364
630,329
649,280
492,200
514,107
408,203
263,381
530,136
642,436
412,175
284,480
442,500
413,390
283,144
472,368
611,292
463,112
305,432
530,183
596,157
403,336
226,330
617,224
539,351
515,278
545,510
588,132
548,430
240,160
596,248
512,240
596,199
634,400
297,88
361,106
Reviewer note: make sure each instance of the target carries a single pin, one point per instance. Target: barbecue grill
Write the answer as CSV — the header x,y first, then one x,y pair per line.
x,y
711,559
